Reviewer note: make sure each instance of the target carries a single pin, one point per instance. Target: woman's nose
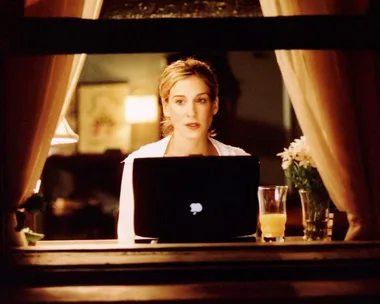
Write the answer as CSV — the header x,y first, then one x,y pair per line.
x,y
191,110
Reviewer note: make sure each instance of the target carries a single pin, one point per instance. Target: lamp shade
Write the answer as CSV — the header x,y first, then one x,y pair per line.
x,y
64,134
141,108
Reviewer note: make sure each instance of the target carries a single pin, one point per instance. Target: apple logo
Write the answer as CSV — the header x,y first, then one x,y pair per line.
x,y
195,208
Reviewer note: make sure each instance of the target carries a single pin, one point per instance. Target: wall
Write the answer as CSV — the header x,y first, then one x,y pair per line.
x,y
261,102
141,71
261,86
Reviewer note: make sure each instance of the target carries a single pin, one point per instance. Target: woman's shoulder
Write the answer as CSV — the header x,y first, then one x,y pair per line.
x,y
228,150
155,149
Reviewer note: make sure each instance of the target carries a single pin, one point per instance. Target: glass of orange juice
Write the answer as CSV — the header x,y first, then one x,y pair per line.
x,y
272,206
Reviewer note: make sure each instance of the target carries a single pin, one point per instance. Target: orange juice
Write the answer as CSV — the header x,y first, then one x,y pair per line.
x,y
273,224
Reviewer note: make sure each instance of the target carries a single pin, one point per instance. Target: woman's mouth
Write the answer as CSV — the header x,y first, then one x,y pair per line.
x,y
193,125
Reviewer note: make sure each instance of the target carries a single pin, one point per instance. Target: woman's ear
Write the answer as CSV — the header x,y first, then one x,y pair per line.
x,y
215,105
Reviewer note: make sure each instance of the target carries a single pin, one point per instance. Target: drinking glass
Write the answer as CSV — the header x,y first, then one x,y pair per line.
x,y
272,207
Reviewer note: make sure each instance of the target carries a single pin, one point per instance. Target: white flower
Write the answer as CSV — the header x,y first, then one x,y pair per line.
x,y
285,164
286,154
298,153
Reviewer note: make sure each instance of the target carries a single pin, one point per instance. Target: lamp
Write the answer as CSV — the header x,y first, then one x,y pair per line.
x,y
141,114
141,109
64,134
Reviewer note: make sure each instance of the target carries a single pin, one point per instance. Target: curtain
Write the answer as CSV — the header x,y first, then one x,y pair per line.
x,y
38,92
335,98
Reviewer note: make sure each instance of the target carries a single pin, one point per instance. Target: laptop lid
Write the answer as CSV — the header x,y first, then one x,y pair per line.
x,y
197,198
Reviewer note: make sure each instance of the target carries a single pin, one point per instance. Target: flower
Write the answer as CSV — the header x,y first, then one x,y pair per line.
x,y
299,153
300,167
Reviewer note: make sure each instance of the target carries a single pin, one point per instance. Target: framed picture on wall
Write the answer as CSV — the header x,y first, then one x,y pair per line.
x,y
101,117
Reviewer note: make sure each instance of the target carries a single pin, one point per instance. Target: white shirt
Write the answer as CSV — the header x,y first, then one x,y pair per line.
x,y
125,227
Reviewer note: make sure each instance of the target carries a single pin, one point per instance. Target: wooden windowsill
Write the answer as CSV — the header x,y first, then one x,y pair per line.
x,y
105,270
113,244
112,252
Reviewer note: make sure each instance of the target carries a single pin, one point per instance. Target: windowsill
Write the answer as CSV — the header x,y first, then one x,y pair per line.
x,y
102,254
100,270
111,252
115,244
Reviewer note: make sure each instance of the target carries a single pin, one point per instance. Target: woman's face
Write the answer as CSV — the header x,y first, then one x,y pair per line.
x,y
190,107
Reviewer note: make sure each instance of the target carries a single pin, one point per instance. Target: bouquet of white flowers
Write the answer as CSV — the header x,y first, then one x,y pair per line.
x,y
300,168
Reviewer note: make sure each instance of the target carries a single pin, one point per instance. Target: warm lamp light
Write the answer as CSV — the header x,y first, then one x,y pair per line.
x,y
141,108
64,134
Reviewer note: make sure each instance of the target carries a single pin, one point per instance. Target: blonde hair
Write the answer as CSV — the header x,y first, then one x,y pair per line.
x,y
180,70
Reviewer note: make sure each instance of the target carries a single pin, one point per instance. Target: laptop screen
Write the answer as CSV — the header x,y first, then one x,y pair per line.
x,y
197,198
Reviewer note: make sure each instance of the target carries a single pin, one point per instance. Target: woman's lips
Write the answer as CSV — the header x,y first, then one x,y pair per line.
x,y
193,126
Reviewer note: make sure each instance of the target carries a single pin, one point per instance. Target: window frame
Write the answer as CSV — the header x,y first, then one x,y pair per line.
x,y
24,36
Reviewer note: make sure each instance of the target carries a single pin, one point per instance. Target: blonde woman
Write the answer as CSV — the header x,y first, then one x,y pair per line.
x,y
189,95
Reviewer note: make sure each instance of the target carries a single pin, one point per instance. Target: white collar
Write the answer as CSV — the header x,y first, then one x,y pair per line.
x,y
165,142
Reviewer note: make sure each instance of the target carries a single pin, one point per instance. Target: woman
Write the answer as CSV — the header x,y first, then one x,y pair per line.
x,y
189,95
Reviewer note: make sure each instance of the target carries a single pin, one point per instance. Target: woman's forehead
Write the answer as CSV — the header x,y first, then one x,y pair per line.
x,y
190,84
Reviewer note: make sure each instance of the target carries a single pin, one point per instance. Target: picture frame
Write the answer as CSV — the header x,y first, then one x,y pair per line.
x,y
101,117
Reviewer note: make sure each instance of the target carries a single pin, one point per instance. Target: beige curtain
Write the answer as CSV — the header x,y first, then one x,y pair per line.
x,y
38,92
335,99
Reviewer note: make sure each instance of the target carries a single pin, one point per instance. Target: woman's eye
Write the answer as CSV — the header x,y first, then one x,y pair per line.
x,y
179,101
202,100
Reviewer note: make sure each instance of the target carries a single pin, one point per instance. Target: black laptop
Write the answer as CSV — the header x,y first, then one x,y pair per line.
x,y
196,198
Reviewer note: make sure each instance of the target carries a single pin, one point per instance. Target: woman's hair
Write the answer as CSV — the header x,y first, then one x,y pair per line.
x,y
180,70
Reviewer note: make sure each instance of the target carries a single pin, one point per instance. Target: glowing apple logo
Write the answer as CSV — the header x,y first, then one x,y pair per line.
x,y
195,208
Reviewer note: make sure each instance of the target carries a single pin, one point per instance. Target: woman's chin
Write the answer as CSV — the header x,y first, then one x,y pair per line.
x,y
194,134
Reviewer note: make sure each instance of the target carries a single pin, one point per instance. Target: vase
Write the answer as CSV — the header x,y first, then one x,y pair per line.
x,y
315,215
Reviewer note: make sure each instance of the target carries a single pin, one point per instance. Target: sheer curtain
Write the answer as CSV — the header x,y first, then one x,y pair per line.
x,y
38,91
336,102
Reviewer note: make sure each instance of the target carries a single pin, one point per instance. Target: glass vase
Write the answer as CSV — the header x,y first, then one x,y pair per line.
x,y
315,215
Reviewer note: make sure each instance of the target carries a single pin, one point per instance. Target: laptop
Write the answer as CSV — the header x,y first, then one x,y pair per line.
x,y
196,198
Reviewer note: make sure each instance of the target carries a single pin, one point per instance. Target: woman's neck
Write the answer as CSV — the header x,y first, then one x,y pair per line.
x,y
181,146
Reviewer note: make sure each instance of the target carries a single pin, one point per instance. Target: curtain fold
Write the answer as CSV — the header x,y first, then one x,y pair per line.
x,y
38,92
76,69
335,98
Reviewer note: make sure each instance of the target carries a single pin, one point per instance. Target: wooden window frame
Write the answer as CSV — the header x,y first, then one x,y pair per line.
x,y
167,264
